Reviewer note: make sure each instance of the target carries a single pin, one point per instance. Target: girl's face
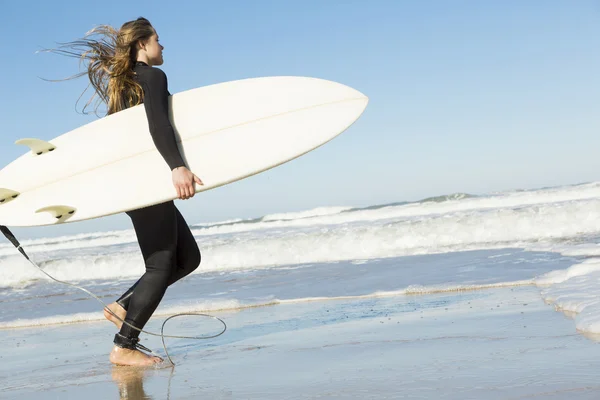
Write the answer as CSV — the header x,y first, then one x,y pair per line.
x,y
153,50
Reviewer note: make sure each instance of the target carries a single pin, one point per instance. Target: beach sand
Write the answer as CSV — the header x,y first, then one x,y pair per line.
x,y
502,343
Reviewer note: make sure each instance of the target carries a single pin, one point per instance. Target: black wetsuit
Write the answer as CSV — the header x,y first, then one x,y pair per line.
x,y
169,249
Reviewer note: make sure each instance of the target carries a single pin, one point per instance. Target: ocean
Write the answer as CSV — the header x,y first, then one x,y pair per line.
x,y
348,264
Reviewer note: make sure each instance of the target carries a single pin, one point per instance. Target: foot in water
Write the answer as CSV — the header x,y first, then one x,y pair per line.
x,y
118,310
121,356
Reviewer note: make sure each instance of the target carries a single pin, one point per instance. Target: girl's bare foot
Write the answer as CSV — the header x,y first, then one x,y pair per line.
x,y
118,310
121,356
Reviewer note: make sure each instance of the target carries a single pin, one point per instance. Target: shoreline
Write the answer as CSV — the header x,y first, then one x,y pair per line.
x,y
500,343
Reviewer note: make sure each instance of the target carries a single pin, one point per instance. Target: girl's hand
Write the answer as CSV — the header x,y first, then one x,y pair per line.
x,y
183,180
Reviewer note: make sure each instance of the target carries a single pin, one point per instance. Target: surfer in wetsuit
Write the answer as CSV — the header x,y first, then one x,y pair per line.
x,y
122,71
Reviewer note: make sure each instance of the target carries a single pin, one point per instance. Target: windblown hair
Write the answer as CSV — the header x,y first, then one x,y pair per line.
x,y
109,56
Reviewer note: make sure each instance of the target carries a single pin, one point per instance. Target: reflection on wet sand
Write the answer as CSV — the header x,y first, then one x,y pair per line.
x,y
130,382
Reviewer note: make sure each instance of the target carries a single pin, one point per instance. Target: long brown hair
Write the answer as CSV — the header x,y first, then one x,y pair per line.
x,y
109,56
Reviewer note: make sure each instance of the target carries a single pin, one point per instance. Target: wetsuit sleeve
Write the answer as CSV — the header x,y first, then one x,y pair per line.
x,y
156,103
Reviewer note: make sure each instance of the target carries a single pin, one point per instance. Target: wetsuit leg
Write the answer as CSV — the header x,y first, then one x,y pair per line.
x,y
187,259
156,229
188,253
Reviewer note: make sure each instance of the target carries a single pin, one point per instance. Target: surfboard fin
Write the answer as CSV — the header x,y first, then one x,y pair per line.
x,y
7,195
61,213
37,146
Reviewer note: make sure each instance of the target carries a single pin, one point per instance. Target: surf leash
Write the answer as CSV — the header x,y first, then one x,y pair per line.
x,y
9,235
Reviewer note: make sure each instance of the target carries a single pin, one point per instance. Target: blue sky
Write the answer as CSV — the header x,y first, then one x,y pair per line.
x,y
465,96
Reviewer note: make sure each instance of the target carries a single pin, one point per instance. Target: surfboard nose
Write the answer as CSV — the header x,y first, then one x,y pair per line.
x,y
345,93
351,94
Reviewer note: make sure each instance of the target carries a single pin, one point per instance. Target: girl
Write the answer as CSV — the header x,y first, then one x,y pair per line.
x,y
121,68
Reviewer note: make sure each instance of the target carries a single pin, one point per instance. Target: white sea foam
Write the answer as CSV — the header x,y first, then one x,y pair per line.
x,y
189,307
576,291
316,212
535,219
206,306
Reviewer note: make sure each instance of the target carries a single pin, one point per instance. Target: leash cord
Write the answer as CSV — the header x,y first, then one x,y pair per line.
x,y
9,235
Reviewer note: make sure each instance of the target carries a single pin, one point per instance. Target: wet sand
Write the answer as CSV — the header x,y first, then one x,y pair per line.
x,y
492,344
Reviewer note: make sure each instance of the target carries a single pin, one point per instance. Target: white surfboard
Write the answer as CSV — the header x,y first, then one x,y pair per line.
x,y
225,132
